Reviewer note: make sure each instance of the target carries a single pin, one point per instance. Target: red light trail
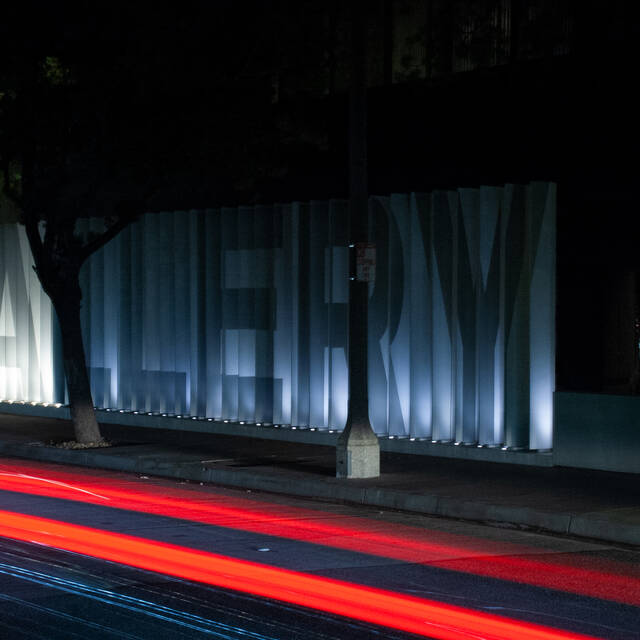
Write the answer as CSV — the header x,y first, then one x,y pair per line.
x,y
405,613
615,581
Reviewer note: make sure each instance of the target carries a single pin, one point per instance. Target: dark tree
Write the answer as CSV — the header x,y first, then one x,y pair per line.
x,y
108,111
60,162
73,145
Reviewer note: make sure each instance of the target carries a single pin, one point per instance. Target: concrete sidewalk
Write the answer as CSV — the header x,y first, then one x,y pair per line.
x,y
591,504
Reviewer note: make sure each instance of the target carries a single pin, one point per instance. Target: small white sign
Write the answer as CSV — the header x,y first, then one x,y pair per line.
x,y
365,262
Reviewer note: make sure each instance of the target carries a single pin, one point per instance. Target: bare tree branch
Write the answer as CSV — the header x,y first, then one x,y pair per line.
x,y
99,241
35,241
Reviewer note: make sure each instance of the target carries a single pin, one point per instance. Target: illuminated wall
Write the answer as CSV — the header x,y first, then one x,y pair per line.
x,y
241,314
26,331
461,316
234,313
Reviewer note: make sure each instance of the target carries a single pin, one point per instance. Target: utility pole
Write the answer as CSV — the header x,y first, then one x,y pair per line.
x,y
358,449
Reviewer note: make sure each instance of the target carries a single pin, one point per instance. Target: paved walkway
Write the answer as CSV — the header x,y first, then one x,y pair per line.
x,y
591,504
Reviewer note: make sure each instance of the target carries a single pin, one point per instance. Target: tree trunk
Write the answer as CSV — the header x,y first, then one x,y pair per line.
x,y
67,306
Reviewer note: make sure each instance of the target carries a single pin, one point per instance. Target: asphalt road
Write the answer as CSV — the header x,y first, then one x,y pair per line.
x,y
488,574
52,594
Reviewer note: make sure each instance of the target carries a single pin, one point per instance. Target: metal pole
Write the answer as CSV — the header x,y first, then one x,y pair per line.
x,y
358,450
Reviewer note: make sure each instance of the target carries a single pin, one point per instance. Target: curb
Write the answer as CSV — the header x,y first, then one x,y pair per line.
x,y
592,526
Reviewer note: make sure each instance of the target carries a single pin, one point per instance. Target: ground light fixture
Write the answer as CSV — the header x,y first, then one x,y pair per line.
x,y
299,427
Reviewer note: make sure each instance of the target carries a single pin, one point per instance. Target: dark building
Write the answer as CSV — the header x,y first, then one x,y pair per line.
x,y
461,94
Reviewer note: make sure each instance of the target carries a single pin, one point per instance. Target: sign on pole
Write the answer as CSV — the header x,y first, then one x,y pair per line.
x,y
365,262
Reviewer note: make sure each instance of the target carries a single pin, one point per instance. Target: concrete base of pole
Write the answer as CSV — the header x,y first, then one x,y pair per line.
x,y
358,452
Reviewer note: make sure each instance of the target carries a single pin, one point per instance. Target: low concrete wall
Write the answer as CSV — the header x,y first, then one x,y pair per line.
x,y
597,431
395,444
